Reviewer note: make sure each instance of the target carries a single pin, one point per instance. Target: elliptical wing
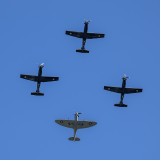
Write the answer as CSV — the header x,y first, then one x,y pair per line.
x,y
66,123
85,124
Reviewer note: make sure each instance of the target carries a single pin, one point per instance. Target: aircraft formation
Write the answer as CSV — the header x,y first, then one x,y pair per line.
x,y
76,124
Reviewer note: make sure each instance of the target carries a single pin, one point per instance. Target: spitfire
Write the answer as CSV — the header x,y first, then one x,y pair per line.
x,y
39,79
75,125
84,35
122,90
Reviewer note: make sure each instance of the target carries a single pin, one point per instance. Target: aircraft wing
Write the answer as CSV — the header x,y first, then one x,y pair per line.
x,y
94,35
75,34
66,123
132,90
48,79
85,124
29,77
113,89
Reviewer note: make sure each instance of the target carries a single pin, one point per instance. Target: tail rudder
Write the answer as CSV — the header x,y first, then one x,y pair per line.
x,y
74,139
120,105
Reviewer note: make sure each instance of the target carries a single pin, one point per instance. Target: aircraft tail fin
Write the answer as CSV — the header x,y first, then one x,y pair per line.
x,y
82,50
74,139
37,93
120,105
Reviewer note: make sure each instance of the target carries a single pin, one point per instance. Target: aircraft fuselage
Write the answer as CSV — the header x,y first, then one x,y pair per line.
x,y
123,89
86,28
39,73
39,76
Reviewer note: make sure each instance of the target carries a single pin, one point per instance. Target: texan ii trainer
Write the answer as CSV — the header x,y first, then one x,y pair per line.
x,y
122,90
75,124
39,79
84,35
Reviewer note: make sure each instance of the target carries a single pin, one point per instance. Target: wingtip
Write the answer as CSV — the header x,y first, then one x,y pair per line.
x,y
21,75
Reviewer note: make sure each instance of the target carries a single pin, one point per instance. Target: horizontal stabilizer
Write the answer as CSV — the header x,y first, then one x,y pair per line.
x,y
120,105
37,93
82,50
74,139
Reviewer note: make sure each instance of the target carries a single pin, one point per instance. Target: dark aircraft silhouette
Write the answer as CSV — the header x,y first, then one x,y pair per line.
x,y
84,35
39,79
122,90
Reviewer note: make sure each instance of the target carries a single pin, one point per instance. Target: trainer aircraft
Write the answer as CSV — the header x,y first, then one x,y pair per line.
x,y
39,79
75,125
122,90
84,35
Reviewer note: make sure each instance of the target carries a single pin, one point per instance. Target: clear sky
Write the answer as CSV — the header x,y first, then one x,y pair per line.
x,y
32,32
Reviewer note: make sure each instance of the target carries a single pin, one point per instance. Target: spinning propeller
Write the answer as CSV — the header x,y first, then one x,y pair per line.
x,y
125,77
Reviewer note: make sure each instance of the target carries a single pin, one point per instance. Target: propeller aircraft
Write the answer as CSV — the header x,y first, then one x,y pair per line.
x,y
75,125
84,35
38,79
122,90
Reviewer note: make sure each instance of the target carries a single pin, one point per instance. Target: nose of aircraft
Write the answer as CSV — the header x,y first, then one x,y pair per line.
x,y
42,65
77,114
86,22
125,77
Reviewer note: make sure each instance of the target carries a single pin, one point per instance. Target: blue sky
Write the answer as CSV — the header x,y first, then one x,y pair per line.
x,y
32,32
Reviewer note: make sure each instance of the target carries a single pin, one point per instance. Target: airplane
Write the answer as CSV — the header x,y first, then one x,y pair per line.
x,y
84,35
75,124
122,90
39,79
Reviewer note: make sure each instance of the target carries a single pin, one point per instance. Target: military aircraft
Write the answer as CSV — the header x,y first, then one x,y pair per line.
x,y
39,79
75,124
84,35
122,90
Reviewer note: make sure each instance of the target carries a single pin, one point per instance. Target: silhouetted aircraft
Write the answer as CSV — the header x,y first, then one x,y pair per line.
x,y
84,35
39,79
122,90
75,124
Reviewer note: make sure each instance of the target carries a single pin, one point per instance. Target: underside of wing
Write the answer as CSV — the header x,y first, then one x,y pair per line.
x,y
66,123
132,90
48,79
94,35
29,77
75,34
85,124
113,89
